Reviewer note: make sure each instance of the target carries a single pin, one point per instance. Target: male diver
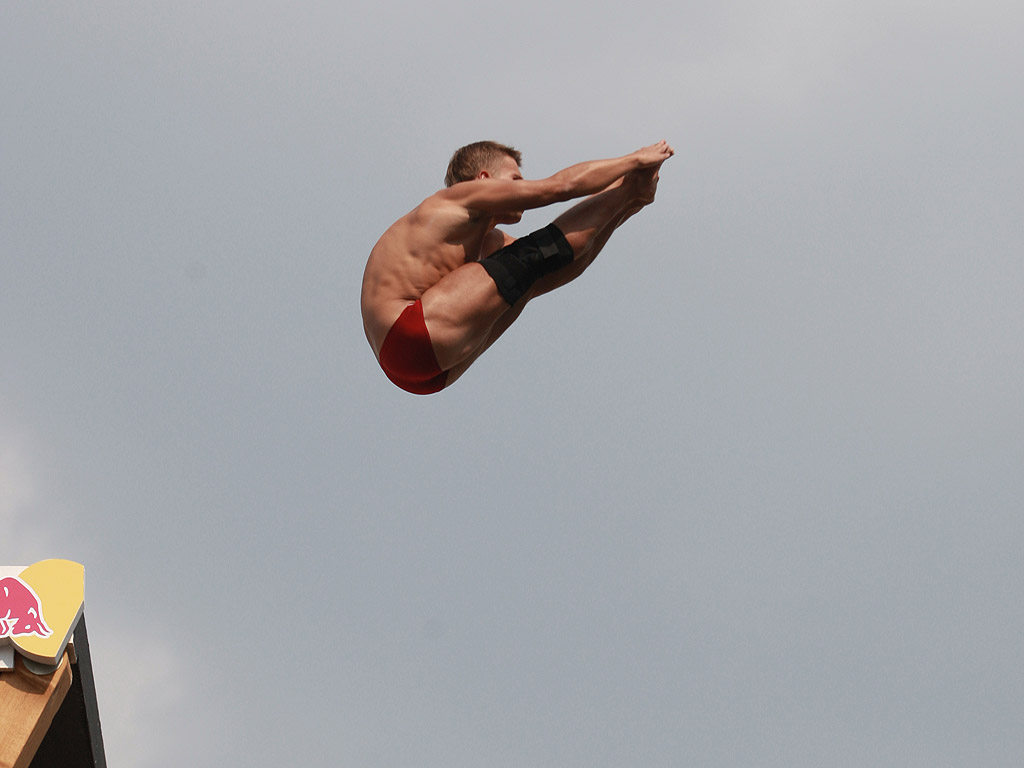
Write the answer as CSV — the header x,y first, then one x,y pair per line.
x,y
442,283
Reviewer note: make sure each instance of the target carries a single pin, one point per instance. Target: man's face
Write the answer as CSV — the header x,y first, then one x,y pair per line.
x,y
508,170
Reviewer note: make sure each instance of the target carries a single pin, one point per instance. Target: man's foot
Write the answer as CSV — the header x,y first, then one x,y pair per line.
x,y
644,183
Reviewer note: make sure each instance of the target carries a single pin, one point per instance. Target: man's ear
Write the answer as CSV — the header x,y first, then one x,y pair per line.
x,y
484,174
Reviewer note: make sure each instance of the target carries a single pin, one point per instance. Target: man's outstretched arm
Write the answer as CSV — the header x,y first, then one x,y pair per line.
x,y
500,195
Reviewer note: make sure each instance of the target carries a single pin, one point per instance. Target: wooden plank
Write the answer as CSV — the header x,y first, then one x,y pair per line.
x,y
28,703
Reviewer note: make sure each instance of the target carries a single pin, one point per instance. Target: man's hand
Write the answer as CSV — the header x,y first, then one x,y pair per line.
x,y
656,154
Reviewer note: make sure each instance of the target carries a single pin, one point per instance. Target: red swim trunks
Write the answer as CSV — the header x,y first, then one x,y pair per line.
x,y
407,356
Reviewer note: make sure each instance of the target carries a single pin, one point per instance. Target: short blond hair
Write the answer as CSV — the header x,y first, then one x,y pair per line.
x,y
469,160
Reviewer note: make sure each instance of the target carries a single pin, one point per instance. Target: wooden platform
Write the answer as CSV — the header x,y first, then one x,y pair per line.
x,y
28,704
51,720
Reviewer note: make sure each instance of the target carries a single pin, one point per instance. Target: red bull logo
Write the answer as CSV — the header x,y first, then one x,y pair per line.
x,y
54,586
21,612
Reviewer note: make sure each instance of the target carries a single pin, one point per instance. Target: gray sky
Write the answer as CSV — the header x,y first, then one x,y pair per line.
x,y
747,493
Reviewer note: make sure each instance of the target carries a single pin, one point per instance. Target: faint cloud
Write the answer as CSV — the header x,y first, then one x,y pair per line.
x,y
138,672
15,488
20,538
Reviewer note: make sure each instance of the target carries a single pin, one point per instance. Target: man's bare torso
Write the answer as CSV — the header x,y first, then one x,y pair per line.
x,y
418,250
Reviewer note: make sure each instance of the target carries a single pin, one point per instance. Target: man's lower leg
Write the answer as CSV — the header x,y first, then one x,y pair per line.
x,y
638,192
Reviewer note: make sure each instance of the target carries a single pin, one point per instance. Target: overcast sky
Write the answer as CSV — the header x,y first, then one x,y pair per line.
x,y
748,493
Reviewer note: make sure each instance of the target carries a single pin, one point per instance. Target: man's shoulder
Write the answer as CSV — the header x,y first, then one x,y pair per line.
x,y
446,197
436,200
445,210
424,215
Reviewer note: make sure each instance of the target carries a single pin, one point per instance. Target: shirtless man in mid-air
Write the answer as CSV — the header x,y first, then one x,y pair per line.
x,y
442,284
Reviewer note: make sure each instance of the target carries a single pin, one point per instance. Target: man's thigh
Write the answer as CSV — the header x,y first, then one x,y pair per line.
x,y
459,312
500,325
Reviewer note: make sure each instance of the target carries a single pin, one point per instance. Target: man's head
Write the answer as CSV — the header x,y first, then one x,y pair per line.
x,y
490,156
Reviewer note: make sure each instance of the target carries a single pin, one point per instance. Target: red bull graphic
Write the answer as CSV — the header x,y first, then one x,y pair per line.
x,y
54,588
21,613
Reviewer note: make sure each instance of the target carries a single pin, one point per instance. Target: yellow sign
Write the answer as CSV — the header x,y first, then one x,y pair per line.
x,y
40,608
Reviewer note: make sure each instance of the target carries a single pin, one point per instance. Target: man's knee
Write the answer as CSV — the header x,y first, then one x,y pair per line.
x,y
517,266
